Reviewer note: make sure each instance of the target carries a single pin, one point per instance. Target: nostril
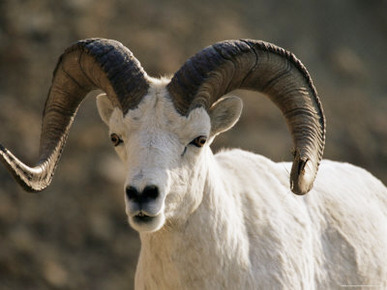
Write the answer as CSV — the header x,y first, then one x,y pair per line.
x,y
132,193
150,192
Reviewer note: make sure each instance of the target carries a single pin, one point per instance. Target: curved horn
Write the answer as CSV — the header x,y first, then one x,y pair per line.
x,y
266,68
87,65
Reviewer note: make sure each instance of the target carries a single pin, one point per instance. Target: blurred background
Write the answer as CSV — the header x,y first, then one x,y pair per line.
x,y
74,235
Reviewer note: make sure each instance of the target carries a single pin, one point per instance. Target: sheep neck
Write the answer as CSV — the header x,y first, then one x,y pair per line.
x,y
211,243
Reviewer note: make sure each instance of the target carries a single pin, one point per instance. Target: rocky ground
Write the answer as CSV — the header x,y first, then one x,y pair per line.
x,y
74,235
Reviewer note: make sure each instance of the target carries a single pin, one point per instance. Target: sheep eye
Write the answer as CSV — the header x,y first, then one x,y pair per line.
x,y
199,141
116,140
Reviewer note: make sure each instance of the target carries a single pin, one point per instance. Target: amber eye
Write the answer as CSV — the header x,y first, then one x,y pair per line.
x,y
116,140
199,141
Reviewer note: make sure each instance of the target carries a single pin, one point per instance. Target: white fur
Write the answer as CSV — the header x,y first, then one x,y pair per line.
x,y
229,221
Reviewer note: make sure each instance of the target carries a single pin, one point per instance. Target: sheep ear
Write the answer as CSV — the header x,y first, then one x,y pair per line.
x,y
105,107
224,114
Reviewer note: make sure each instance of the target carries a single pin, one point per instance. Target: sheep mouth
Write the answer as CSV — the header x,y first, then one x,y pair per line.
x,y
143,218
143,222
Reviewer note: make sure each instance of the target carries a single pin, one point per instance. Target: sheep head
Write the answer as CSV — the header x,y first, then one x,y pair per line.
x,y
162,128
165,153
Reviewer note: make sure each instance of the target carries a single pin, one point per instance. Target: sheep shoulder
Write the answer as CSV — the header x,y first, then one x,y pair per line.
x,y
338,228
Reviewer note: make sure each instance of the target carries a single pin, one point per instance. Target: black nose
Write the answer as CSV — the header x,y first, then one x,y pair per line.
x,y
150,192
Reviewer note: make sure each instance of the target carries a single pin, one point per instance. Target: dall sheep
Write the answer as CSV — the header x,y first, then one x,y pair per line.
x,y
225,220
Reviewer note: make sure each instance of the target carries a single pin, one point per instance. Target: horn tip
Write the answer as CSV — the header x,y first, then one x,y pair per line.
x,y
25,176
302,175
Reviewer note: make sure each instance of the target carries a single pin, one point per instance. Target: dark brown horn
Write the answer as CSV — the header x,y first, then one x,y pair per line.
x,y
266,68
87,65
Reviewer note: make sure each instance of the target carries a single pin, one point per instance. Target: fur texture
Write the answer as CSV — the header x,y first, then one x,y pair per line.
x,y
229,221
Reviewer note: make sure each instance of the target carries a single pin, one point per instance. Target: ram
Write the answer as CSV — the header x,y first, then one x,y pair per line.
x,y
225,220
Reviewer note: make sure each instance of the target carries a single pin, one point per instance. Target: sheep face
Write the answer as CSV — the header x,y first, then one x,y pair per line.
x,y
166,155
